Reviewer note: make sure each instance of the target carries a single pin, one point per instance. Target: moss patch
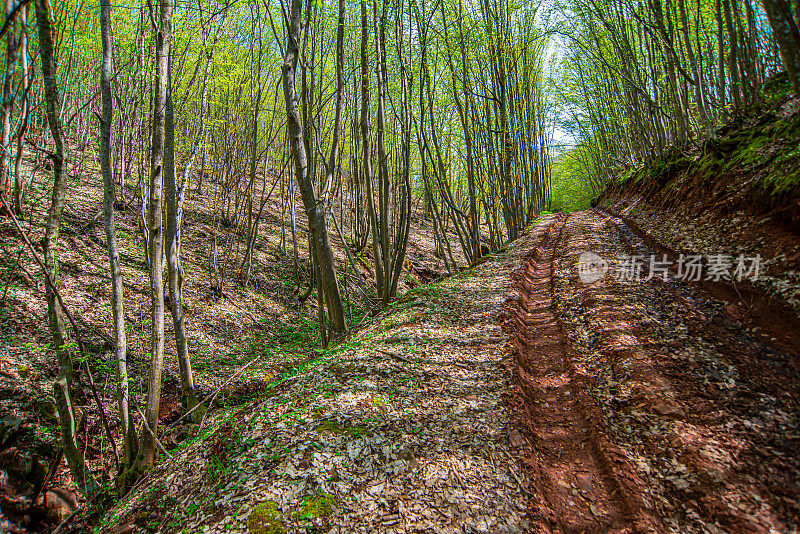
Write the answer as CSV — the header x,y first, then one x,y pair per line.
x,y
752,163
319,505
332,426
265,519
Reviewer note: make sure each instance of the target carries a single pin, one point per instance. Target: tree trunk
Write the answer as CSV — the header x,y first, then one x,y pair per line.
x,y
404,209
66,418
365,116
63,385
59,191
733,61
174,270
147,449
722,97
315,209
128,429
383,169
785,31
25,108
244,271
698,81
8,99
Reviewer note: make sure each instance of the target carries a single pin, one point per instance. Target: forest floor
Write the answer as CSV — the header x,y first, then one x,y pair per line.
x,y
528,393
263,321
399,429
515,396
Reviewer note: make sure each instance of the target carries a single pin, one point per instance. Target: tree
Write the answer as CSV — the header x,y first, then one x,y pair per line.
x,y
7,103
784,28
64,383
155,239
315,207
128,428
25,110
174,201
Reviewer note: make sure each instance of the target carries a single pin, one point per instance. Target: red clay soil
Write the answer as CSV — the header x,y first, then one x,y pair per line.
x,y
746,302
645,406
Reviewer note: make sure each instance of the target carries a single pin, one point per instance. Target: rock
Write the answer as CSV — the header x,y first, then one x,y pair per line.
x,y
7,527
679,483
123,529
59,503
734,311
46,451
584,481
24,469
516,438
668,410
8,427
15,495
406,453
16,462
333,475
376,489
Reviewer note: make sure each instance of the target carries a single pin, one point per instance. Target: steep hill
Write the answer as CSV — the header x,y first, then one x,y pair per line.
x,y
738,194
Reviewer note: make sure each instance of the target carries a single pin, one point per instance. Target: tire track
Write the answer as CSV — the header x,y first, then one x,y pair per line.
x,y
691,418
761,372
582,482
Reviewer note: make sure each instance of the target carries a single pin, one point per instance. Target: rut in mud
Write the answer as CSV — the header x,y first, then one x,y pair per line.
x,y
647,405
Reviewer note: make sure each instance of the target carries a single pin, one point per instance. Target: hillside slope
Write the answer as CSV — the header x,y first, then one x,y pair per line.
x,y
737,194
398,429
227,329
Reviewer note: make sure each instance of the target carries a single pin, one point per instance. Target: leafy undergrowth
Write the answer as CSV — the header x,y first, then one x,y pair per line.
x,y
397,426
226,329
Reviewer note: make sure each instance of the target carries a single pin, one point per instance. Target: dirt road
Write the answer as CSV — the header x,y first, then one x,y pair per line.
x,y
647,405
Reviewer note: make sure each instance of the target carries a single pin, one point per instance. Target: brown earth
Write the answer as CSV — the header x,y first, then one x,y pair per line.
x,y
631,405
400,428
649,405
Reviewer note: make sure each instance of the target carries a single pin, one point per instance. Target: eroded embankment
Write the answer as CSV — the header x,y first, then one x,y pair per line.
x,y
747,300
737,193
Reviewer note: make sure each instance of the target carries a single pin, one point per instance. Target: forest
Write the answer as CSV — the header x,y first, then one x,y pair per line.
x,y
276,266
